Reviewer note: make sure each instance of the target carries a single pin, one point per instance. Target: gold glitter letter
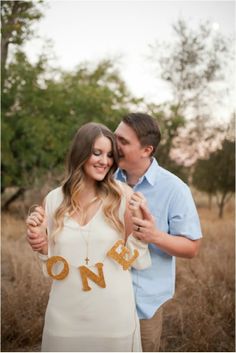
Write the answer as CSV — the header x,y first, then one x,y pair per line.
x,y
51,261
86,273
120,257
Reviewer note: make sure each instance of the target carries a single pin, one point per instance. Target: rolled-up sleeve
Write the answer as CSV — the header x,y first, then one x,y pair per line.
x,y
183,216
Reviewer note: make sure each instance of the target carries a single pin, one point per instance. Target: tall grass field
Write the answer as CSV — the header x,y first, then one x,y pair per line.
x,y
200,318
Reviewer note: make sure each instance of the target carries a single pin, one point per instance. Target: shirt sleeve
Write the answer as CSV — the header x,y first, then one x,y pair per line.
x,y
143,260
183,217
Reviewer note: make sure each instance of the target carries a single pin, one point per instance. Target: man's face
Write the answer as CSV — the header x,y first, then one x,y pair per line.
x,y
130,150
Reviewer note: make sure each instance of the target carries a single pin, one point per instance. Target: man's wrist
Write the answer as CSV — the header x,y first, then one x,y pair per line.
x,y
159,238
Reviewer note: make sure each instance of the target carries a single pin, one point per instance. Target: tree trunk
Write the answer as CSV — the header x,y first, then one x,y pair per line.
x,y
14,197
210,201
221,205
221,210
4,52
6,37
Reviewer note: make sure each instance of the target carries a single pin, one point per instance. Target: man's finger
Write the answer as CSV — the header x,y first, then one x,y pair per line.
x,y
36,243
30,233
31,222
138,221
146,213
139,236
36,247
35,230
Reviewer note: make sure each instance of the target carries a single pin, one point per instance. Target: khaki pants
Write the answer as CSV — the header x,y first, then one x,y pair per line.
x,y
151,332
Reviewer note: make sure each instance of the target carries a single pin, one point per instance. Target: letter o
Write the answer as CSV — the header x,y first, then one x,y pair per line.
x,y
51,261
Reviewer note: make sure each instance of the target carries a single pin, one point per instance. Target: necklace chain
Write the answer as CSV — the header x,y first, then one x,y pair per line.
x,y
87,242
86,234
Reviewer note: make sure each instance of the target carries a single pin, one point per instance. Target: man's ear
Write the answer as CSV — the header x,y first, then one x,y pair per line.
x,y
147,151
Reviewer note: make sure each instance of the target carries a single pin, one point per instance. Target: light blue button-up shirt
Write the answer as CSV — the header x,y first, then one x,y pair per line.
x,y
170,202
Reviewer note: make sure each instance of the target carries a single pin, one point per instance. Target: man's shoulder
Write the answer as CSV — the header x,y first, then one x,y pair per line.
x,y
171,179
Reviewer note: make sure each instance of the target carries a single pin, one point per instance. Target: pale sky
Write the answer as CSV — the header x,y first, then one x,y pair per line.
x,y
93,30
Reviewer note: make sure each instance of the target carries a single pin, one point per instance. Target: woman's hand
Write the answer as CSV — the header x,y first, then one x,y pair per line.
x,y
36,230
136,200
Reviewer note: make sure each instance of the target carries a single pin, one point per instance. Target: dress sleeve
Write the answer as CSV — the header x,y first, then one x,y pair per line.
x,y
143,261
43,259
52,201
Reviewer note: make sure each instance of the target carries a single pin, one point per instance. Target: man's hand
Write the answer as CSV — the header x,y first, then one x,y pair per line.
x,y
175,245
145,229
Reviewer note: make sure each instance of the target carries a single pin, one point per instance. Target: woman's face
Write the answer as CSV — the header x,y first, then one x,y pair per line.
x,y
101,159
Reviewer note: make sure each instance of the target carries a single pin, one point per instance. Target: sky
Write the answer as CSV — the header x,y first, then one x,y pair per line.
x,y
124,30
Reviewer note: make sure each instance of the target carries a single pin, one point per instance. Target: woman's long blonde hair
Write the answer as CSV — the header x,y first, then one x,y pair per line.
x,y
107,190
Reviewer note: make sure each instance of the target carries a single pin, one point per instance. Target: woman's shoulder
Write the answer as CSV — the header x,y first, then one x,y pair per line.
x,y
55,194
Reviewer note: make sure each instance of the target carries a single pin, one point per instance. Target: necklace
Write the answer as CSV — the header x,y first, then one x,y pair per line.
x,y
85,235
86,241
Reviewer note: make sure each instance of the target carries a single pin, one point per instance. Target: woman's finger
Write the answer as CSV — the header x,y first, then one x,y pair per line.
x,y
37,215
31,222
40,210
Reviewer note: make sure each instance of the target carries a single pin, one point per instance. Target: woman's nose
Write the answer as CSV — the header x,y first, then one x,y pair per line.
x,y
104,159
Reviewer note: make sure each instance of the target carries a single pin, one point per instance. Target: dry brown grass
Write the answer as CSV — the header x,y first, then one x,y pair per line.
x,y
200,318
24,290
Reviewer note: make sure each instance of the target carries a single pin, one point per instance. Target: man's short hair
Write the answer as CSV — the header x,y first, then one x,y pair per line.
x,y
145,127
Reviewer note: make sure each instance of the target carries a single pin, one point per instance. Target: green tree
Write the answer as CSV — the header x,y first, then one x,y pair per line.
x,y
216,175
16,19
40,115
194,60
169,122
197,65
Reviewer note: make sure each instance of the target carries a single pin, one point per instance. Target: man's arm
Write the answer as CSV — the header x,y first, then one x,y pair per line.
x,y
174,245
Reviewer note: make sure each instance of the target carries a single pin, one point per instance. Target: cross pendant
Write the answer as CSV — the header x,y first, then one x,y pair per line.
x,y
86,260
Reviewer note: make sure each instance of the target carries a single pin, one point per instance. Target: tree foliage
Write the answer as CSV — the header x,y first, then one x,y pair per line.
x,y
41,115
17,18
169,122
194,64
216,175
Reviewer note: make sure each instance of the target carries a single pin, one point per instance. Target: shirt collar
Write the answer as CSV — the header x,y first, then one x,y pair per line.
x,y
150,175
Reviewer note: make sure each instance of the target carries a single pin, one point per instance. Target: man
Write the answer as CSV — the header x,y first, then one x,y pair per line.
x,y
171,228
171,224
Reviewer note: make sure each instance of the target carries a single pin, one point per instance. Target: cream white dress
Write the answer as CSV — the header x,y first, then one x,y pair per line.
x,y
102,319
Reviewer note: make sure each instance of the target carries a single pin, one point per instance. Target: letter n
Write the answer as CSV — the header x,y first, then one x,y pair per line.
x,y
86,273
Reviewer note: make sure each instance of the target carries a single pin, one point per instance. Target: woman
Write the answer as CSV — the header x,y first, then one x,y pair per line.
x,y
91,305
